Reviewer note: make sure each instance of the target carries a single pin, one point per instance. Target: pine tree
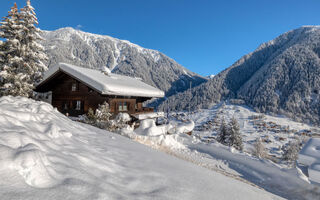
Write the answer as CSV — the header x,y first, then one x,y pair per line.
x,y
13,82
223,132
21,58
235,138
230,134
34,52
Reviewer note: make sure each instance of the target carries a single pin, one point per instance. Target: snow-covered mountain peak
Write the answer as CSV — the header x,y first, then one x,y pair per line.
x,y
68,33
90,50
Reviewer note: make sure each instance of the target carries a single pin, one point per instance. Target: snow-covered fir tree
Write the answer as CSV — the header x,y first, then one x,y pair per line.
x,y
223,132
12,81
33,51
21,56
235,139
230,134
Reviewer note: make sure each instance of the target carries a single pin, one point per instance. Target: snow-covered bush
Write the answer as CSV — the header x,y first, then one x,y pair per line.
x,y
102,116
259,149
290,152
230,134
90,117
120,122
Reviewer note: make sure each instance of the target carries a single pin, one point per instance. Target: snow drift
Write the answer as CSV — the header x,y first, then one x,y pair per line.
x,y
44,155
309,157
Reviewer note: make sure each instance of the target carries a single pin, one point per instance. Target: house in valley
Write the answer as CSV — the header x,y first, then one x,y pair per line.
x,y
76,89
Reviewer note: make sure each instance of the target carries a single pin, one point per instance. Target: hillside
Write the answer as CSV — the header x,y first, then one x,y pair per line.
x,y
281,76
45,155
122,57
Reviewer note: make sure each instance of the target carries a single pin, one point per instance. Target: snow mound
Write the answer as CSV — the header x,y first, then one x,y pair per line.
x,y
123,117
157,136
185,127
309,156
24,126
148,128
310,153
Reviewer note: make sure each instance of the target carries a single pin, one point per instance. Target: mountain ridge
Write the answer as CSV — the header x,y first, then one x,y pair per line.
x,y
121,56
281,76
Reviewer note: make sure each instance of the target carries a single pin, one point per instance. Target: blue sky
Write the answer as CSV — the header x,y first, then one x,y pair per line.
x,y
205,36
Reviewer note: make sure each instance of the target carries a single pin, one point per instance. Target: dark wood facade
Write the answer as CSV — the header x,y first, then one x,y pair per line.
x,y
70,95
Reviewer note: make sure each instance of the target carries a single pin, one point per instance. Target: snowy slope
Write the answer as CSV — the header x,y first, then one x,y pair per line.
x,y
44,155
270,173
274,130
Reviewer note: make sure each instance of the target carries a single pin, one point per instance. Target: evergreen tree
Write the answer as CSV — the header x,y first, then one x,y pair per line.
x,y
230,134
21,58
223,132
13,82
235,138
34,52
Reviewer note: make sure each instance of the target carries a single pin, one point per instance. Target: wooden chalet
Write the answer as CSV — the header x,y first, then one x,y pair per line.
x,y
76,89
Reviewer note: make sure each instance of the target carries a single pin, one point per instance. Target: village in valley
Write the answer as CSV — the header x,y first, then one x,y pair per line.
x,y
88,116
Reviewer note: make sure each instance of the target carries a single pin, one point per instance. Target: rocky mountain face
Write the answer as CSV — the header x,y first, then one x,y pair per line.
x,y
122,57
281,76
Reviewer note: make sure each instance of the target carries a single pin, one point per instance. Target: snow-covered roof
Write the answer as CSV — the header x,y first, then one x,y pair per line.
x,y
109,84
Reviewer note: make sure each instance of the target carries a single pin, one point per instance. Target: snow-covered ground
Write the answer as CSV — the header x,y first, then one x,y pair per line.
x,y
309,159
270,174
44,155
275,131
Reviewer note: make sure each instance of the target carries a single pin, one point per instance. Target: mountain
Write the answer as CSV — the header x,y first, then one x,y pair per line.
x,y
211,76
120,56
281,76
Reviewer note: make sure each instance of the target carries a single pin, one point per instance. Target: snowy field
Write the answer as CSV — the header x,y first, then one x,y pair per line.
x,y
44,155
274,131
271,174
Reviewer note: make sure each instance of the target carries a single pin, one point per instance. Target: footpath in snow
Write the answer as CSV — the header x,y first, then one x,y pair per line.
x,y
44,155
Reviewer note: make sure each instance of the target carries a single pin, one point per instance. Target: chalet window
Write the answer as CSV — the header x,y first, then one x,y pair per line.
x,y
74,87
120,106
78,105
123,106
